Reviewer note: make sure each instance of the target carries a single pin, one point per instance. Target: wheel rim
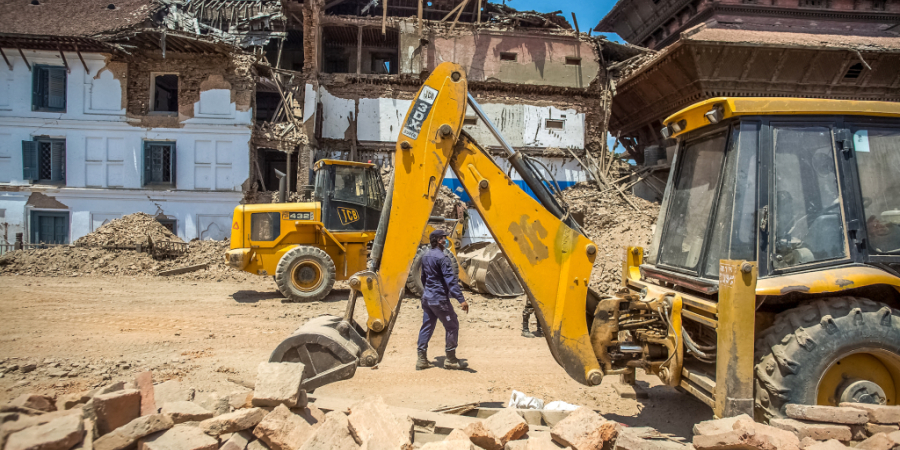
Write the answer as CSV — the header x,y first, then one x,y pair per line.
x,y
863,376
306,276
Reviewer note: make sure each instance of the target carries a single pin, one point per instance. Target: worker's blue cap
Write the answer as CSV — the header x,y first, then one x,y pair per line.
x,y
437,234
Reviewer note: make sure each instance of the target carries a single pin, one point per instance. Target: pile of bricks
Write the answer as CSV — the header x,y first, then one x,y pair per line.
x,y
806,427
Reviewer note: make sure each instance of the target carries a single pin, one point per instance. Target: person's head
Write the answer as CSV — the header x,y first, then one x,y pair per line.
x,y
437,238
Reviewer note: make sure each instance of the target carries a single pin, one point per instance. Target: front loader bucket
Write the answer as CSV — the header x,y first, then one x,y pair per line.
x,y
489,270
329,347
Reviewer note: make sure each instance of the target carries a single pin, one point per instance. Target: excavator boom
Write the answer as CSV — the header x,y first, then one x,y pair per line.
x,y
549,254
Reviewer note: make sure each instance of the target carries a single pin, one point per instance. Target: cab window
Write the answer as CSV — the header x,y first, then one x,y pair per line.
x,y
691,202
376,189
878,159
808,225
265,226
350,184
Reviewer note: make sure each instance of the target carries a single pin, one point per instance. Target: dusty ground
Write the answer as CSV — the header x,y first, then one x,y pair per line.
x,y
83,331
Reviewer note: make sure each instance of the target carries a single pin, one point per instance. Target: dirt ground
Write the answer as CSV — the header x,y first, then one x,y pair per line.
x,y
81,332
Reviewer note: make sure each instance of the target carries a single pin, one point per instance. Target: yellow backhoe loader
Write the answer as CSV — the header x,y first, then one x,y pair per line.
x,y
771,279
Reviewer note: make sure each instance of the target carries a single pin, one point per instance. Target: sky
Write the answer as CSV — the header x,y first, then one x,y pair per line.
x,y
588,12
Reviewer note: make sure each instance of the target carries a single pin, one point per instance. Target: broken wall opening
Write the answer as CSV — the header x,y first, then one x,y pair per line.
x,y
269,161
292,54
360,50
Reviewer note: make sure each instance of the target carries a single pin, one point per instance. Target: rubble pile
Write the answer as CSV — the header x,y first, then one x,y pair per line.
x,y
73,261
131,230
806,427
278,414
612,224
446,203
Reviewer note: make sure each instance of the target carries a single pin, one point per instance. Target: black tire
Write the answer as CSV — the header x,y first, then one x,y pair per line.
x,y
305,274
798,355
414,286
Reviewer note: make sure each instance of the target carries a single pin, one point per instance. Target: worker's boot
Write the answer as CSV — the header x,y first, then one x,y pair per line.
x,y
422,363
538,331
452,363
525,331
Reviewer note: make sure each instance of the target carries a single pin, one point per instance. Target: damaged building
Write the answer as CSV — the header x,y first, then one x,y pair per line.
x,y
185,108
746,48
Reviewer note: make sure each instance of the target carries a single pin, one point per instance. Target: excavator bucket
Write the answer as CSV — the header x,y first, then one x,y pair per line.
x,y
328,346
488,270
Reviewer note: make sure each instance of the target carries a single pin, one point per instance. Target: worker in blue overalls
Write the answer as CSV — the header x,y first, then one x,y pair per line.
x,y
441,283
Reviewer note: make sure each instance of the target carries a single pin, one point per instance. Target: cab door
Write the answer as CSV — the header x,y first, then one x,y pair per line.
x,y
344,205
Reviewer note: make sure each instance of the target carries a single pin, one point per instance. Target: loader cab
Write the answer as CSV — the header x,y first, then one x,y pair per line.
x,y
794,184
351,194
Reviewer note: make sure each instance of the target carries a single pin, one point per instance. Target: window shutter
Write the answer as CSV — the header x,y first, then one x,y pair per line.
x,y
56,88
172,162
30,160
36,91
58,161
148,178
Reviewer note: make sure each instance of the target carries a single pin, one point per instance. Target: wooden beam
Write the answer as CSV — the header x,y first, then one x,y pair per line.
x,y
575,21
78,52
420,18
359,33
479,13
464,3
459,6
65,61
278,59
10,64
334,3
384,17
24,58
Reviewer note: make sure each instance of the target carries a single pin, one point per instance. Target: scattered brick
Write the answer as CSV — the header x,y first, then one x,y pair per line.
x,y
232,422
830,414
333,434
144,382
35,401
180,437
373,425
278,383
584,429
116,409
817,431
181,412
61,433
127,435
881,414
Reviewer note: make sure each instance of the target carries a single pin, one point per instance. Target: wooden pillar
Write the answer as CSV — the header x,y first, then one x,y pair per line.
x,y
359,33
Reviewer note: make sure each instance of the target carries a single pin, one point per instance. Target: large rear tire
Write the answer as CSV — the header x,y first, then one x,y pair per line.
x,y
414,286
305,274
826,352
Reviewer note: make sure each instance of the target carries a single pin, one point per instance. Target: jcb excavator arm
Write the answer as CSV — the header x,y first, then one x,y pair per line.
x,y
550,256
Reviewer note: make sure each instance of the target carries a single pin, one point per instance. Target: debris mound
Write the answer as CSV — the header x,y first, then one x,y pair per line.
x,y
133,229
73,261
612,224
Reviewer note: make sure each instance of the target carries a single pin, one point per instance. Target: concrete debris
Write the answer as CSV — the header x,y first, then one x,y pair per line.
x,y
182,412
494,432
831,444
144,382
609,218
171,391
130,230
62,433
232,422
179,437
718,425
281,429
127,435
35,401
747,434
633,439
881,441
257,445
332,434
829,414
67,260
879,414
116,409
279,383
237,441
817,431
449,445
584,429
374,426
